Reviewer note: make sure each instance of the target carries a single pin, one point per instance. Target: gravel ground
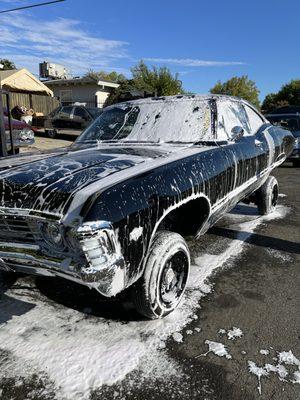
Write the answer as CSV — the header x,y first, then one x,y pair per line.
x,y
42,142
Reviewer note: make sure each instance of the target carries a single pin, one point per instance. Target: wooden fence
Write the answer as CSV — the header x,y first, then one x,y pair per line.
x,y
39,103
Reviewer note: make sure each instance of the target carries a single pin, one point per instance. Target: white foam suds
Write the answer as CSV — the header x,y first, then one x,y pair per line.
x,y
258,371
264,352
177,337
136,233
79,353
217,348
232,333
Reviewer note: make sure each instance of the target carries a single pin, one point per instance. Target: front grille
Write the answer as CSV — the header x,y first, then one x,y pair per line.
x,y
16,229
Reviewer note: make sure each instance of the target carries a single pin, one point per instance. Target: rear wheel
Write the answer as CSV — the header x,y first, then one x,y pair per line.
x,y
267,196
163,283
51,133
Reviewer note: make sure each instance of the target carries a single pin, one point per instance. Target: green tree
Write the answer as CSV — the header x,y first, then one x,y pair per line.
x,y
156,80
240,87
288,95
112,76
7,64
122,93
146,82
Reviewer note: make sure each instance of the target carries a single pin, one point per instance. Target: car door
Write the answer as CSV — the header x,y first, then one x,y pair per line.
x,y
63,119
81,119
242,153
266,148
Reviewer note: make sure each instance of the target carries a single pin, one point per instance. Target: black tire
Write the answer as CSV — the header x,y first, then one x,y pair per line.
x,y
296,163
159,291
17,151
7,279
51,133
267,196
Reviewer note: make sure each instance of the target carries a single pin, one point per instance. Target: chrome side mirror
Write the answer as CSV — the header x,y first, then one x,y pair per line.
x,y
237,132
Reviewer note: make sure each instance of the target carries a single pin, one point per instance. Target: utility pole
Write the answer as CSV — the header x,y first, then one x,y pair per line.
x,y
3,148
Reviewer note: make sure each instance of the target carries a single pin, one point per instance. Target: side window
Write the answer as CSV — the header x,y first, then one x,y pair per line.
x,y
66,111
80,112
230,114
255,120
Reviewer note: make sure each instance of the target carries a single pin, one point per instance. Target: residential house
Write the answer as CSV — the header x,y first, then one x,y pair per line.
x,y
84,90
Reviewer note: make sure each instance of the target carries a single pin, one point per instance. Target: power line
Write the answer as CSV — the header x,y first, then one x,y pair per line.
x,y
31,6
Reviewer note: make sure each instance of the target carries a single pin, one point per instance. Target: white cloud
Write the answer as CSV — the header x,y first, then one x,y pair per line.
x,y
28,41
190,62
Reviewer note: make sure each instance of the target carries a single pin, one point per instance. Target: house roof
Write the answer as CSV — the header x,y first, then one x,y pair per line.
x,y
22,80
80,81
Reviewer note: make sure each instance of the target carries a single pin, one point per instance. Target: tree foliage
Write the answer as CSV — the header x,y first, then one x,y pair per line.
x,y
146,82
240,87
7,64
112,76
156,80
288,95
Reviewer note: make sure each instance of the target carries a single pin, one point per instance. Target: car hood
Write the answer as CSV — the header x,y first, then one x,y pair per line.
x,y
47,182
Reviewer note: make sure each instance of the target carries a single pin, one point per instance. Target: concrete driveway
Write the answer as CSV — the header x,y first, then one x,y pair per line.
x,y
236,335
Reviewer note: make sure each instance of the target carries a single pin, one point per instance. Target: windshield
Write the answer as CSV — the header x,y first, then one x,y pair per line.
x,y
156,121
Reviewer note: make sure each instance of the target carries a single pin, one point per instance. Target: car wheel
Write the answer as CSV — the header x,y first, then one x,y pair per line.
x,y
17,151
296,163
163,283
267,196
7,279
51,133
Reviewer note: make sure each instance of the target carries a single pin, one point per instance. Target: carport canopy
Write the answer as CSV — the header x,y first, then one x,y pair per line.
x,y
21,80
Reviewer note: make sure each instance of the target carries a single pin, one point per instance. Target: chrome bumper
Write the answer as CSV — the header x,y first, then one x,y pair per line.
x,y
103,266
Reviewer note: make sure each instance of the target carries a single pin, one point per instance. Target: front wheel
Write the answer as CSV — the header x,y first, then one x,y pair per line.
x,y
160,289
51,133
267,196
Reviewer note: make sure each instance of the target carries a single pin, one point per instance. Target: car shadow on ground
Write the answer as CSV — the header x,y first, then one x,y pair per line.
x,y
9,306
258,240
88,301
252,237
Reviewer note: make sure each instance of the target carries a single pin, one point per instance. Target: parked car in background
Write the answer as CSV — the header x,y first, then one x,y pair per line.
x,y
70,120
291,121
23,135
110,212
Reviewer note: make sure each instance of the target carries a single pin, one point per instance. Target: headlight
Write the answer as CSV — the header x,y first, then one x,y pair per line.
x,y
52,234
297,143
26,134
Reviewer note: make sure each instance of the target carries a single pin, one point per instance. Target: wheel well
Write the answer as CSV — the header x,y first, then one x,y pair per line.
x,y
187,218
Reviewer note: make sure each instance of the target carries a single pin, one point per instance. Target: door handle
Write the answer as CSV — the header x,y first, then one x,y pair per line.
x,y
258,143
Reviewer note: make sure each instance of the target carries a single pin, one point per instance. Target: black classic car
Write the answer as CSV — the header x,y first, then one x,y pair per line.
x,y
70,120
111,211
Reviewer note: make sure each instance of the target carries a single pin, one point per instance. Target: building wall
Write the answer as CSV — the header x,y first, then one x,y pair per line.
x,y
87,93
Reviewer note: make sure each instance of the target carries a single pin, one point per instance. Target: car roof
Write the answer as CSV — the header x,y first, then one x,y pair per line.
x,y
184,97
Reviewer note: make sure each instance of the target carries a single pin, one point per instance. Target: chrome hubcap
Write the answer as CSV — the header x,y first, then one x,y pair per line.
x,y
173,279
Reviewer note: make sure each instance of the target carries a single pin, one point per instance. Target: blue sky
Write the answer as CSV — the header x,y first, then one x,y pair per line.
x,y
204,41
